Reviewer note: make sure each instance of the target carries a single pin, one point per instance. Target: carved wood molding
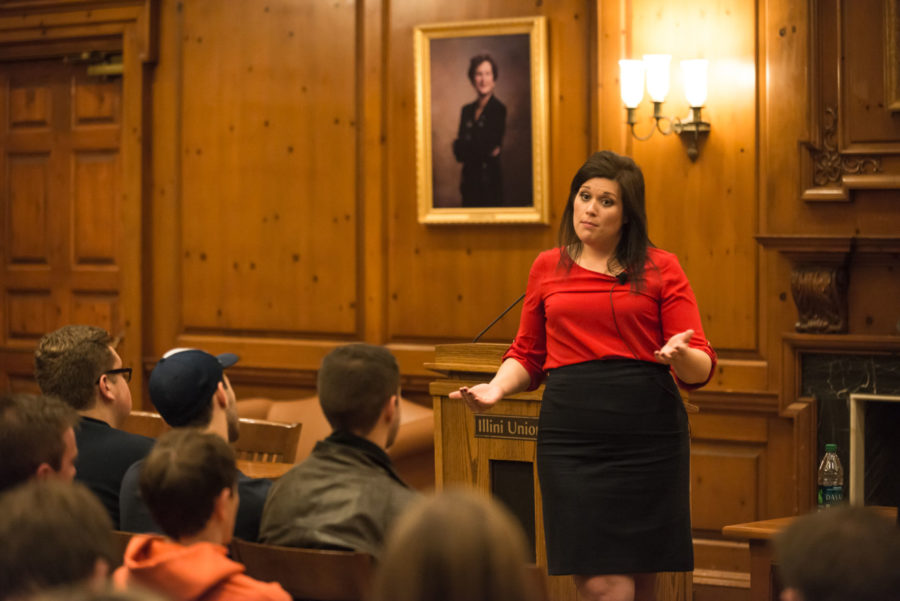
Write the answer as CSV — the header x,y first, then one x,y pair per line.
x,y
830,164
834,174
820,274
820,294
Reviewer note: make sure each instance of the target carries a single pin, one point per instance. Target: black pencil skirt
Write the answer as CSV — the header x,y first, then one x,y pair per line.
x,y
613,455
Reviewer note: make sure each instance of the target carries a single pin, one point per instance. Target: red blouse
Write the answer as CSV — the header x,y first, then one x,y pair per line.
x,y
581,315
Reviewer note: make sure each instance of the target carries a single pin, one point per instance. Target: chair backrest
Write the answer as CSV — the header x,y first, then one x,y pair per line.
x,y
120,542
145,423
260,440
313,574
268,442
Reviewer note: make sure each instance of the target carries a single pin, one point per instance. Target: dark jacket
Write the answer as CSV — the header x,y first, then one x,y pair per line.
x,y
345,495
481,184
135,516
104,455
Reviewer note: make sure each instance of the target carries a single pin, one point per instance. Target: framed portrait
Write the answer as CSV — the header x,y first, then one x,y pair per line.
x,y
481,121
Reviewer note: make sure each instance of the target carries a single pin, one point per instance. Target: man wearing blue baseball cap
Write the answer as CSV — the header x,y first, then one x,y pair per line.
x,y
189,388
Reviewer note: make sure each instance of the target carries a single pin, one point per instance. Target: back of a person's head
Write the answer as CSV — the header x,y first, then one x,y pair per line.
x,y
52,534
455,546
840,554
31,433
68,362
83,593
354,383
182,477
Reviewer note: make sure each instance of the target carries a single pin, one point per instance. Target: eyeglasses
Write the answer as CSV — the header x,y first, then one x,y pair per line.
x,y
125,372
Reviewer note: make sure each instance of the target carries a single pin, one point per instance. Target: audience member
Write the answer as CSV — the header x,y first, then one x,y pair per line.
x,y
87,594
456,546
346,494
52,534
189,481
190,390
840,554
37,439
79,365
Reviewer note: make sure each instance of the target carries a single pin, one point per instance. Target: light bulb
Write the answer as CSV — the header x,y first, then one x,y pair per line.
x,y
657,67
631,81
695,81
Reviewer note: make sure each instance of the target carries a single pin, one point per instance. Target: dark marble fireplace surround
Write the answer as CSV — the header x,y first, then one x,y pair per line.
x,y
830,378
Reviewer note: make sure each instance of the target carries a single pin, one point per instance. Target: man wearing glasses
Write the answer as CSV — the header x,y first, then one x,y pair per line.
x,y
79,365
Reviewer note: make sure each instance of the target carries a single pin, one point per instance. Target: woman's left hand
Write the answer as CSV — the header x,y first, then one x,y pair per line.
x,y
675,349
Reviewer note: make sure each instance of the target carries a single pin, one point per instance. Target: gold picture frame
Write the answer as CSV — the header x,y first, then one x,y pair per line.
x,y
465,172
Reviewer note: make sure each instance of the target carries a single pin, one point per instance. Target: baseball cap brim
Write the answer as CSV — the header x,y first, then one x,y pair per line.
x,y
227,359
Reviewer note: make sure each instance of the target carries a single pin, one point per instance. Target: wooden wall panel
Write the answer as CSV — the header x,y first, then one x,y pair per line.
x,y
269,222
29,106
866,59
26,223
725,484
94,209
30,314
96,102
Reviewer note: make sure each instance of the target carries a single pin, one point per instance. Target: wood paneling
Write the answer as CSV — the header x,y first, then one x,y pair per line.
x,y
271,141
283,236
75,224
26,194
705,212
95,212
467,275
725,484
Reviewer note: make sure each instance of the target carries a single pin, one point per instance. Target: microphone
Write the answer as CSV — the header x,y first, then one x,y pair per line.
x,y
505,311
622,277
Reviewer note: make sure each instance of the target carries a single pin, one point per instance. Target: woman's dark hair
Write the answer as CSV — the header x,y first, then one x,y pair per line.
x,y
477,60
631,252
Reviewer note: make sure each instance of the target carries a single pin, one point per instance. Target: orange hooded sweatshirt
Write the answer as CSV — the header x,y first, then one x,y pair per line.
x,y
187,573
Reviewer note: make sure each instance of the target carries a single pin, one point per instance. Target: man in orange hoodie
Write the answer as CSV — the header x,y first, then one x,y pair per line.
x,y
189,482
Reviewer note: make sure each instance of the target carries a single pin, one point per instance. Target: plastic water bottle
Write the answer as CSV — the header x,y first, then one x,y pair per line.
x,y
831,478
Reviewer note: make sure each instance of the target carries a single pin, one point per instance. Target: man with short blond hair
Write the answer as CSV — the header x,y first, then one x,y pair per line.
x,y
79,365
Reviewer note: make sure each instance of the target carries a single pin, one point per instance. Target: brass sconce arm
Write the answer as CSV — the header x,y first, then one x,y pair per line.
x,y
690,130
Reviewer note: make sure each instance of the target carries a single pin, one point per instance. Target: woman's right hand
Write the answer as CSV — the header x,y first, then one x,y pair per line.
x,y
480,397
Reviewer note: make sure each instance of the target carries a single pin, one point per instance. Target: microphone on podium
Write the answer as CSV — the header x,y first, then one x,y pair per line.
x,y
505,311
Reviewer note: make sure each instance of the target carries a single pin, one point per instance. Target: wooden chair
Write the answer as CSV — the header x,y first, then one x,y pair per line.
x,y
260,441
120,542
145,423
311,574
267,442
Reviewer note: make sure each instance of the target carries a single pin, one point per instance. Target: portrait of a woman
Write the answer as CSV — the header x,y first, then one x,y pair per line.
x,y
479,141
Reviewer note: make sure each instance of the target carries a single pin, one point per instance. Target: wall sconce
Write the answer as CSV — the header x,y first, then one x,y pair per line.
x,y
656,67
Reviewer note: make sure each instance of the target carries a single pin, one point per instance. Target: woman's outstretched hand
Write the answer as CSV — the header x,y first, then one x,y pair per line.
x,y
676,348
480,397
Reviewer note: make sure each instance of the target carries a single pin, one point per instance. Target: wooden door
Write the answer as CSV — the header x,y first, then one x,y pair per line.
x,y
61,240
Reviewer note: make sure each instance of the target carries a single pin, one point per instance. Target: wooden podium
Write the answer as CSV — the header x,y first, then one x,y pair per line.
x,y
494,452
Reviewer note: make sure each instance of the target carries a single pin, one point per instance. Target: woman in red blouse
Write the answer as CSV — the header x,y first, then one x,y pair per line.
x,y
608,320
